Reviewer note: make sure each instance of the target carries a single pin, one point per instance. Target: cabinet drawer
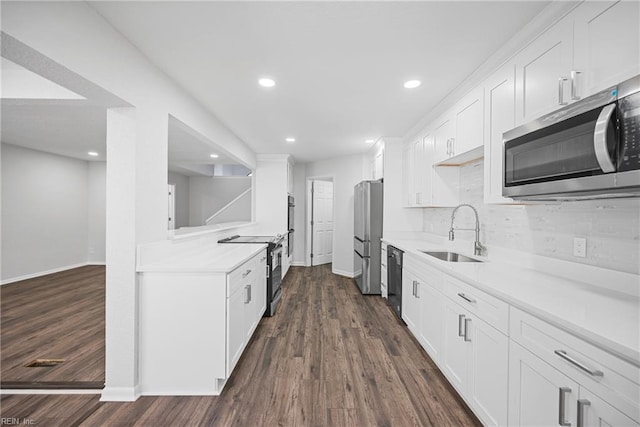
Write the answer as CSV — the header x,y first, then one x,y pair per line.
x,y
424,272
488,308
243,274
612,379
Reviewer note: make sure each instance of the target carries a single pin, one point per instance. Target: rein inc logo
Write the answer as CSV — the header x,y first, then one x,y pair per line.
x,y
16,421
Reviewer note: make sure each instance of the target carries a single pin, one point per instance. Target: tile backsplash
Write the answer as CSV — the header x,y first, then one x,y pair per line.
x,y
611,227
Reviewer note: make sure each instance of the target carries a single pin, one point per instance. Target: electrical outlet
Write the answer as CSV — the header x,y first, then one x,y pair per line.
x,y
580,247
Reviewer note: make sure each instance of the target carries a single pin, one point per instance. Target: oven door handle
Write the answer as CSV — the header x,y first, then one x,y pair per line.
x,y
600,139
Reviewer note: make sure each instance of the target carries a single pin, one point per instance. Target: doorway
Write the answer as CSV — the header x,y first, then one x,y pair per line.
x,y
320,195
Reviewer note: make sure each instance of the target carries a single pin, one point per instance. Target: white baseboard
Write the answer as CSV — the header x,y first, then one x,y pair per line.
x,y
298,264
96,263
47,391
120,394
348,274
43,273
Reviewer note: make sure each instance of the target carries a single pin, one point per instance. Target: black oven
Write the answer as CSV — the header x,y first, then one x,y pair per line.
x,y
274,266
589,149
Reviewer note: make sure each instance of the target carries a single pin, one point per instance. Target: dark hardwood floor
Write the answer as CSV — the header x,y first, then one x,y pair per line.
x,y
57,316
330,357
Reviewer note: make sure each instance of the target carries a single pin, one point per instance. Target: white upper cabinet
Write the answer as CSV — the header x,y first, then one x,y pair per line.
x,y
443,137
469,119
500,117
595,46
375,161
289,177
606,45
543,70
409,195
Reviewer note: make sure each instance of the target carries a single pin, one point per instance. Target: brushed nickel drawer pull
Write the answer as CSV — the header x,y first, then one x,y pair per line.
x,y
466,298
593,372
467,337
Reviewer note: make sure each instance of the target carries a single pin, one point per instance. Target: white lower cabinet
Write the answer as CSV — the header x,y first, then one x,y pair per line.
x,y
195,326
475,360
539,395
410,301
557,379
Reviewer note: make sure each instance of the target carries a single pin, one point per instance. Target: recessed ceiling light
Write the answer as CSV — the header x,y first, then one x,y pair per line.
x,y
214,156
370,141
412,84
93,154
290,139
266,82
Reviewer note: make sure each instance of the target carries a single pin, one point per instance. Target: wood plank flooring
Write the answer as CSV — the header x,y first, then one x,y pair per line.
x,y
329,357
57,316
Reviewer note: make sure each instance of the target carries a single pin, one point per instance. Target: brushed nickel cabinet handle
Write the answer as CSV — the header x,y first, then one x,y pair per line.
x,y
460,325
574,85
582,406
561,81
562,406
246,273
246,295
466,298
467,337
593,372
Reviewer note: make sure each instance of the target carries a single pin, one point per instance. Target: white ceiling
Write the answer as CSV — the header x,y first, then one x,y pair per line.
x,y
339,66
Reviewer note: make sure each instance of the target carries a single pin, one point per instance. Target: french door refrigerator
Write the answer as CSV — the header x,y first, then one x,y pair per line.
x,y
367,230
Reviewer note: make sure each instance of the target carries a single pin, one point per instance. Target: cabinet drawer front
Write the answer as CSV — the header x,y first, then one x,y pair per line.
x,y
613,379
488,308
243,274
424,273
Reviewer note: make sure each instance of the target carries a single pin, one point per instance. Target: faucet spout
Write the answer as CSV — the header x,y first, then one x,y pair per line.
x,y
478,248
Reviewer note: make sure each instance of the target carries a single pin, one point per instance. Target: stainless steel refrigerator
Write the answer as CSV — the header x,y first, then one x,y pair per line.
x,y
367,230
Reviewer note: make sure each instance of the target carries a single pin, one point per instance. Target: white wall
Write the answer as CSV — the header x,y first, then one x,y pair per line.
x,y
53,211
299,213
346,173
270,198
394,216
182,198
207,195
611,226
97,210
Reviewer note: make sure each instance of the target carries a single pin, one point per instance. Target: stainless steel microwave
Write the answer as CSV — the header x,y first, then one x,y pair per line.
x,y
589,149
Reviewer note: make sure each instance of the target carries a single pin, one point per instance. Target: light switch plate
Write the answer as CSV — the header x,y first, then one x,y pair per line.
x,y
580,247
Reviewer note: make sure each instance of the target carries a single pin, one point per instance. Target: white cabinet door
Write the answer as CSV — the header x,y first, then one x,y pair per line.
x,y
539,395
378,164
469,119
431,305
418,172
607,45
499,118
410,304
407,175
455,351
443,136
236,333
489,384
289,178
249,309
593,411
540,72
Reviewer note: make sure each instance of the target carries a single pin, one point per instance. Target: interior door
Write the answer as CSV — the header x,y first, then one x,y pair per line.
x,y
322,222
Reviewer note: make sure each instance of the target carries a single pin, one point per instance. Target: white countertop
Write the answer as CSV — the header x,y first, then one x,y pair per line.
x,y
606,318
212,258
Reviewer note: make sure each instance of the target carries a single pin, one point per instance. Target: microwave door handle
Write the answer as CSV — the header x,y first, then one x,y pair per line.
x,y
600,139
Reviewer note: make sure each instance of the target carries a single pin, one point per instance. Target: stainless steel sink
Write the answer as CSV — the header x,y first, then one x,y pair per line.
x,y
450,256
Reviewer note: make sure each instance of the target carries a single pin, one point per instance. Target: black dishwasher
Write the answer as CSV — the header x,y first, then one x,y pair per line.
x,y
394,279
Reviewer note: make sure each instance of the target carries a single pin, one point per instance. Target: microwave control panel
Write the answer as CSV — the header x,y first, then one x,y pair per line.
x,y
629,158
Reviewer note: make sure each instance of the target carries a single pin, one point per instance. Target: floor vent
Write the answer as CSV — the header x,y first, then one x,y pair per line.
x,y
43,363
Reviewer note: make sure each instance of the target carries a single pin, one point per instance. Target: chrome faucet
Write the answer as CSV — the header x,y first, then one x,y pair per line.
x,y
478,248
